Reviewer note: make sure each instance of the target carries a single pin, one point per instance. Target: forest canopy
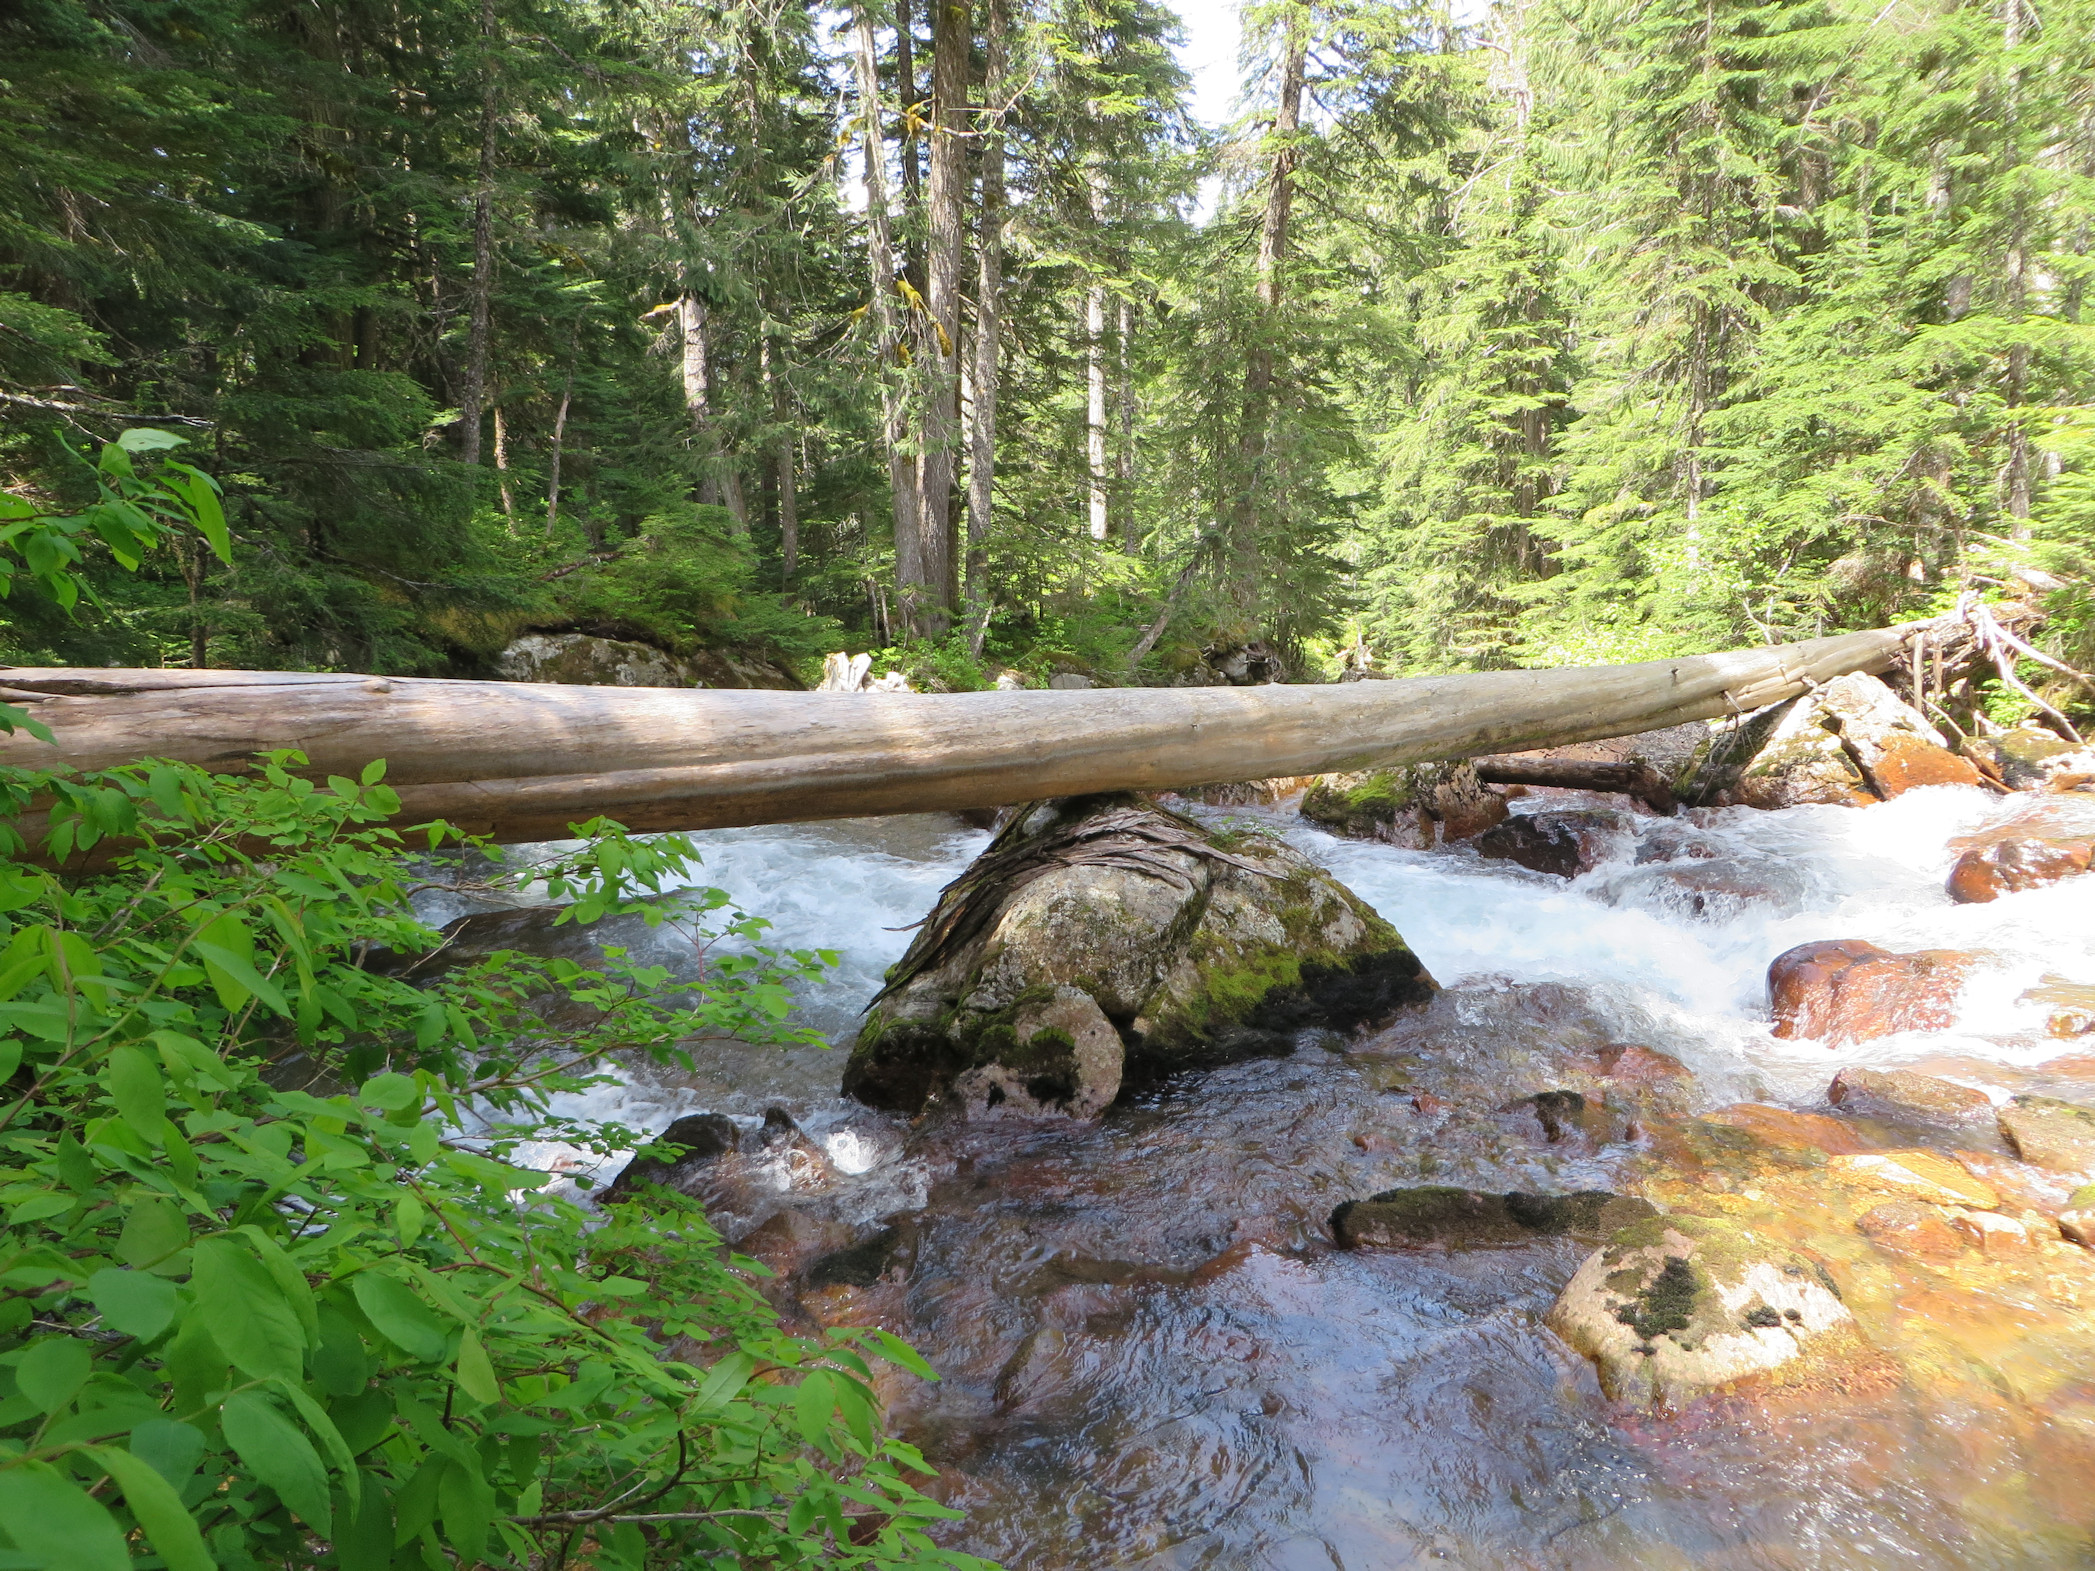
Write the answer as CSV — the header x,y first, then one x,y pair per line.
x,y
1551,334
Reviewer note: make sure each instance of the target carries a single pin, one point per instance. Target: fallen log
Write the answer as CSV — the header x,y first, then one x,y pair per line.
x,y
523,761
1633,778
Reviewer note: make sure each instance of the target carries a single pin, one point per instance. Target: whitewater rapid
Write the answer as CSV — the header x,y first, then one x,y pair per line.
x,y
1668,957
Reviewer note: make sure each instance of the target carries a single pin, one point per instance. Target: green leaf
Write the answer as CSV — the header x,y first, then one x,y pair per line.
x,y
390,1092
476,1373
159,1510
133,1302
246,1310
290,1281
235,980
327,1434
812,1404
134,1084
153,1231
466,1503
52,1372
149,439
172,1447
277,1454
365,1541
401,1317
50,1517
724,1381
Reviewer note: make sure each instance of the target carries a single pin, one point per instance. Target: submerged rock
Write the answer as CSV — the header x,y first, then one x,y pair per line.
x,y
1846,990
2047,1132
1433,1216
1904,1096
1101,937
1673,1308
1415,807
2007,866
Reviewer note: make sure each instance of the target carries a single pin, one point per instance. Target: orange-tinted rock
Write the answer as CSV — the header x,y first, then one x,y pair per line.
x,y
2078,1226
2006,866
1789,1131
1846,990
2069,1011
1913,1175
1635,1065
1993,1233
1893,743
1901,1094
1910,1228
2030,758
2050,1133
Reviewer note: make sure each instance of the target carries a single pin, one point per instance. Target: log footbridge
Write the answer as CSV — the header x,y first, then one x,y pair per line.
x,y
523,761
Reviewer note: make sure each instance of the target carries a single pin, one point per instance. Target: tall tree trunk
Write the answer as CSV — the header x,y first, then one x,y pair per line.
x,y
1272,254
906,92
880,259
782,481
472,390
2018,477
952,36
502,465
1095,404
989,286
718,484
1124,407
567,392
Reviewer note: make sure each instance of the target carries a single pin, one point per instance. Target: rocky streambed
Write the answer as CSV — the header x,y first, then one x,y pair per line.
x,y
1590,1255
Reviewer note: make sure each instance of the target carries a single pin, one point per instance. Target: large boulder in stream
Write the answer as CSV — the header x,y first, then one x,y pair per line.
x,y
1849,743
1415,807
1848,990
1101,938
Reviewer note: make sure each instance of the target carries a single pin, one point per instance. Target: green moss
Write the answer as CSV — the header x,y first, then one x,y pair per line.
x,y
1666,1303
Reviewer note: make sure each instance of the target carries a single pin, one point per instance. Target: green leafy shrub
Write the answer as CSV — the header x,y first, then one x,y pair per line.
x,y
686,582
272,1290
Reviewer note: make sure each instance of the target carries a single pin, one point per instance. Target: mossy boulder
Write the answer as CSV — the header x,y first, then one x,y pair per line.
x,y
1415,807
1103,938
1431,1216
1672,1308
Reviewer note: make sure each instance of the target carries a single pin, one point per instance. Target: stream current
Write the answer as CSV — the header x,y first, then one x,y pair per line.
x,y
1152,1354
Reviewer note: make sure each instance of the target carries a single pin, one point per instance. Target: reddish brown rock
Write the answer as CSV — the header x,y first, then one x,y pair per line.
x,y
1845,990
2069,1011
2006,866
1850,743
1910,1228
1901,1094
1790,1131
1634,1065
1891,742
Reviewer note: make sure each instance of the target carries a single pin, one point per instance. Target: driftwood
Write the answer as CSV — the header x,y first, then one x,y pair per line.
x,y
1633,778
523,761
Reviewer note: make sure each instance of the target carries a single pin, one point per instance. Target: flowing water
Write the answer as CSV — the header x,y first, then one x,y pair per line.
x,y
1153,1355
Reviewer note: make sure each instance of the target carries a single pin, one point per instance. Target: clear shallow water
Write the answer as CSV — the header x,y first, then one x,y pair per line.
x,y
1154,1358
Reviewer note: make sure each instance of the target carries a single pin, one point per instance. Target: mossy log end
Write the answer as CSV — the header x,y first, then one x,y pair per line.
x,y
522,761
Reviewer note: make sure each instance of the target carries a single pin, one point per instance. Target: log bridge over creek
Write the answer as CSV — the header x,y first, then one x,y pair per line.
x,y
523,761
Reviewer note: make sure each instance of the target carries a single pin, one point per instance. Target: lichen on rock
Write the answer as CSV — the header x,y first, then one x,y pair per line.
x,y
1103,937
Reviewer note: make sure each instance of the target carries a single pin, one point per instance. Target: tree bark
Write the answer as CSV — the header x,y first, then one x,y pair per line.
x,y
567,393
952,36
989,323
1272,256
784,480
472,390
880,261
718,485
502,465
524,761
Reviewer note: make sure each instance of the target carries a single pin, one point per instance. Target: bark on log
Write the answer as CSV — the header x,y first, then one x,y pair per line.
x,y
522,761
1637,779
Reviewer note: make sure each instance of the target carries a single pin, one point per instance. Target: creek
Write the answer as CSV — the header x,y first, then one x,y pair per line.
x,y
1153,1355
